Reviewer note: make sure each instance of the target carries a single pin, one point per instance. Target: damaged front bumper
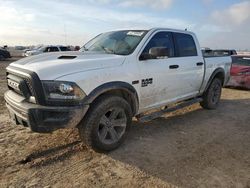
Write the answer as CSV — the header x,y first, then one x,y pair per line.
x,y
43,119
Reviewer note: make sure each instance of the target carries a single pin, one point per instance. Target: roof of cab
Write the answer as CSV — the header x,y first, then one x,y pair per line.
x,y
170,29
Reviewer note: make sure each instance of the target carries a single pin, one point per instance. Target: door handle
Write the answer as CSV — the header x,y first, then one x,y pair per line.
x,y
199,63
173,66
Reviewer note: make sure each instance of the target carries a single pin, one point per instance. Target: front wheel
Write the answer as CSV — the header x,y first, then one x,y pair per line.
x,y
211,97
106,123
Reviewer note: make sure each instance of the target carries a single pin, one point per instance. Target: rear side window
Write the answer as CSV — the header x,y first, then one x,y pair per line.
x,y
161,39
185,45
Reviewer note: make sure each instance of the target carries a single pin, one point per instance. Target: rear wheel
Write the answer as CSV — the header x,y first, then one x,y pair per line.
x,y
106,123
211,97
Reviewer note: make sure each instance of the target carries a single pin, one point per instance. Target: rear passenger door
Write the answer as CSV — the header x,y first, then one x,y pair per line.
x,y
191,64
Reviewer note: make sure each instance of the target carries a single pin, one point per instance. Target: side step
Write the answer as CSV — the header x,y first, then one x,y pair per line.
x,y
154,115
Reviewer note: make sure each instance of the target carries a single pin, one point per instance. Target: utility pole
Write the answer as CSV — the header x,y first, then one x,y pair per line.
x,y
65,34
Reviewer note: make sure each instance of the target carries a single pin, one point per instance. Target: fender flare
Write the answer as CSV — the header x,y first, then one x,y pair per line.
x,y
111,86
216,71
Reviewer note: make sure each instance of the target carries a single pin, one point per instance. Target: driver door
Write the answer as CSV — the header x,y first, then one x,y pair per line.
x,y
159,83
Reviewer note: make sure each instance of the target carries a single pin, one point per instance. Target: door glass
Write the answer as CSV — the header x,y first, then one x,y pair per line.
x,y
185,45
64,48
161,39
54,49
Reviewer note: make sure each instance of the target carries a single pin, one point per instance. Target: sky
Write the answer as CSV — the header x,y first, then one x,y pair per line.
x,y
217,23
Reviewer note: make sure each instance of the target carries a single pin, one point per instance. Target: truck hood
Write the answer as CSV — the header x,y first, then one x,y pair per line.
x,y
50,66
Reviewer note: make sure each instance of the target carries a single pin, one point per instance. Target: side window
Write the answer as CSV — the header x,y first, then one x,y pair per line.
x,y
46,49
185,45
49,49
64,48
54,49
161,39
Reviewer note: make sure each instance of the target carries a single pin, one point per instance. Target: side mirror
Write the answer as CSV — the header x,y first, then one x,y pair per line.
x,y
145,56
159,52
154,53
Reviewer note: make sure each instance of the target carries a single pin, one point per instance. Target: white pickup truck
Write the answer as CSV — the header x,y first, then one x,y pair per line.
x,y
114,77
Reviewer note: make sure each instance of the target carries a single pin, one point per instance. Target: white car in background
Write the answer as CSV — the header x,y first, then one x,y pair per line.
x,y
44,49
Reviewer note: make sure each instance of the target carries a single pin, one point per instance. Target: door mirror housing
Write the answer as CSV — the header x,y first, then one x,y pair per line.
x,y
145,56
159,52
155,53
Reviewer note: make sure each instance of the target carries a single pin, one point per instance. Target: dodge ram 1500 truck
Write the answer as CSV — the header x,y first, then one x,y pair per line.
x,y
114,77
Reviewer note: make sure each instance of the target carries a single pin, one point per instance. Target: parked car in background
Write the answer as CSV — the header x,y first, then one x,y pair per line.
x,y
240,72
32,48
77,48
4,54
44,49
16,51
20,48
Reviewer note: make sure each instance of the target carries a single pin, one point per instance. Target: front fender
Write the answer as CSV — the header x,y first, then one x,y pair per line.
x,y
112,86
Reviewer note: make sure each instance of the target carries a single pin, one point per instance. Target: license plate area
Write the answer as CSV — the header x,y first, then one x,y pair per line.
x,y
16,117
13,84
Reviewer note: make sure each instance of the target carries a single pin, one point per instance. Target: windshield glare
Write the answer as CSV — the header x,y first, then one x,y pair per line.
x,y
117,42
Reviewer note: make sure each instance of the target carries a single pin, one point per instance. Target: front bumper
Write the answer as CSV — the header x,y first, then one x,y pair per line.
x,y
43,119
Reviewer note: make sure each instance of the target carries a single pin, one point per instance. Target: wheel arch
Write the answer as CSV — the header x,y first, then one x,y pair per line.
x,y
117,88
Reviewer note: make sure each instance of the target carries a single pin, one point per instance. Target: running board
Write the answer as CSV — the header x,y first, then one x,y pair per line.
x,y
154,115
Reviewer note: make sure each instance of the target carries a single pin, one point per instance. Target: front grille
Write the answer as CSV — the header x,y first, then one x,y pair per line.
x,y
29,84
20,84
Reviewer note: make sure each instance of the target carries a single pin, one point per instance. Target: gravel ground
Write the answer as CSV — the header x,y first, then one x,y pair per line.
x,y
188,148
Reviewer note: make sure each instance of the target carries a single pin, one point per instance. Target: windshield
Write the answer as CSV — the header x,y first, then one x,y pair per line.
x,y
117,42
41,49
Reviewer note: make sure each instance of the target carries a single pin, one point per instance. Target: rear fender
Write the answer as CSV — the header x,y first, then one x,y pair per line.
x,y
218,71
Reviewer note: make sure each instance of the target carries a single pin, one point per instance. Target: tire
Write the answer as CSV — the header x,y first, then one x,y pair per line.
x,y
211,97
106,124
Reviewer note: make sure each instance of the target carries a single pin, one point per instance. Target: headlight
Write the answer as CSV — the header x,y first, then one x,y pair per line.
x,y
62,90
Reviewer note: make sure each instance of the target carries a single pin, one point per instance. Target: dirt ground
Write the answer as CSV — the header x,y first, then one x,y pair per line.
x,y
189,148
